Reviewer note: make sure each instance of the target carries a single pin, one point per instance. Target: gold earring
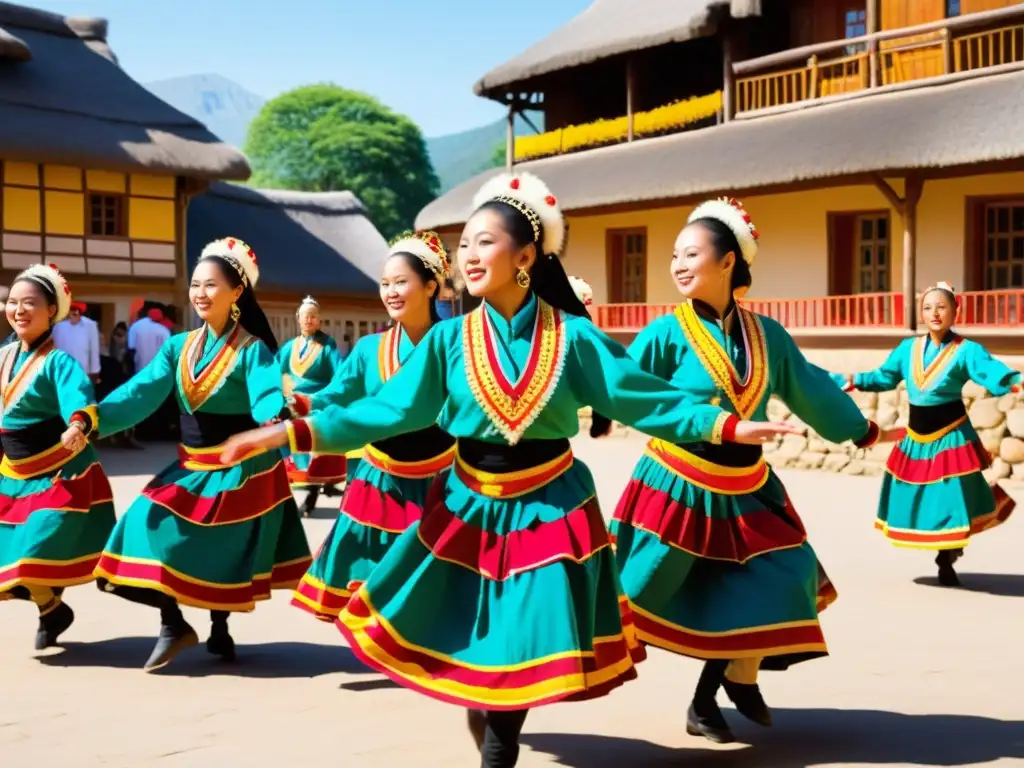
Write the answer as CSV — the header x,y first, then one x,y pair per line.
x,y
523,278
235,312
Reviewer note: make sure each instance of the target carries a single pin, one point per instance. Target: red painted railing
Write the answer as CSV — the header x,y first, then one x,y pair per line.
x,y
865,310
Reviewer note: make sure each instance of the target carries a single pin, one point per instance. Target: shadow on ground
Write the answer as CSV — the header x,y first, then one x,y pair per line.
x,y
266,660
802,738
999,584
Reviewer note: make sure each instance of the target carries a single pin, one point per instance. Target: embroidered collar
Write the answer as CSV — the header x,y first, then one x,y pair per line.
x,y
926,376
388,360
727,321
13,386
521,326
300,362
197,387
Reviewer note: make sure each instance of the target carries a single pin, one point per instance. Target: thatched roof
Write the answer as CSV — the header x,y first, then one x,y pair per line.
x,y
320,243
64,99
963,124
612,27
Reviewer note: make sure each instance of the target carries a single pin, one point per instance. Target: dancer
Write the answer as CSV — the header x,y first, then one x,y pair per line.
x,y
56,506
208,533
505,596
934,495
308,364
713,557
388,487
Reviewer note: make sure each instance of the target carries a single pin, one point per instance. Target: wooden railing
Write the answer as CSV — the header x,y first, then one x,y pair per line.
x,y
992,309
950,48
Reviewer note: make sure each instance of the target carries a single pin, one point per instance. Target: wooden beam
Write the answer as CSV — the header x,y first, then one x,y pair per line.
x,y
510,138
980,19
911,195
630,85
528,121
886,189
872,27
728,76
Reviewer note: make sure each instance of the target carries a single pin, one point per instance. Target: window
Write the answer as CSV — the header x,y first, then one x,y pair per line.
x,y
1004,245
856,23
872,265
627,266
952,8
106,216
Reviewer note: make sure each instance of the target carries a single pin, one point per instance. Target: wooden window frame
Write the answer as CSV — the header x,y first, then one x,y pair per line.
x,y
976,235
122,215
858,268
614,281
841,274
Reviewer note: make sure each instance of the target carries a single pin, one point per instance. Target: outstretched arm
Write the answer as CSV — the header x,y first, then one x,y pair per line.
x,y
888,375
989,372
140,396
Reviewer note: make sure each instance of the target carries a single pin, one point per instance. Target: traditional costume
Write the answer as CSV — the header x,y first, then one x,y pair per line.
x,y
934,495
204,533
712,555
308,364
505,595
388,486
56,506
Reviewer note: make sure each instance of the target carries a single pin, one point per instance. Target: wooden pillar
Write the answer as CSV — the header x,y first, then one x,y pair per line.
x,y
872,25
728,78
911,196
510,137
630,86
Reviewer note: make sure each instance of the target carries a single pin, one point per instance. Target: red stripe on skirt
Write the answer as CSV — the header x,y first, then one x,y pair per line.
x,y
369,505
951,462
75,494
257,495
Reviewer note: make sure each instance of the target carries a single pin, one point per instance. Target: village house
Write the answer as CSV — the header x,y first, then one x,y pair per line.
x,y
96,171
877,145
319,243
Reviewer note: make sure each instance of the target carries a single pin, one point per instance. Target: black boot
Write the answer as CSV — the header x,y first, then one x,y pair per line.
x,y
945,560
53,624
476,719
220,643
330,491
175,636
500,748
309,504
748,701
704,718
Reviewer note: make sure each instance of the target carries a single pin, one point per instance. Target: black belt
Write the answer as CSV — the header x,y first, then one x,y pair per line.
x,y
501,457
420,445
725,454
205,430
28,441
926,419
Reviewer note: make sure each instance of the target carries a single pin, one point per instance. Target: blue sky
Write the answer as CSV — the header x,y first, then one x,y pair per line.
x,y
420,57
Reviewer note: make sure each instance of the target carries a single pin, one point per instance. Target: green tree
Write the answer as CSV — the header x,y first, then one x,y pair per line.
x,y
322,138
497,159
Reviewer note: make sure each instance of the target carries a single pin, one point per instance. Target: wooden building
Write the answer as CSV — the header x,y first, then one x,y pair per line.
x,y
95,171
319,243
876,144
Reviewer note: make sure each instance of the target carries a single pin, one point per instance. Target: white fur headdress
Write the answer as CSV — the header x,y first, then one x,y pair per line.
x,y
731,213
425,246
583,290
50,278
238,255
309,301
942,285
532,198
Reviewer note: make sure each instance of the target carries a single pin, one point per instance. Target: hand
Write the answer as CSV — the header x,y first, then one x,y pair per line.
x,y
758,432
73,438
254,440
892,435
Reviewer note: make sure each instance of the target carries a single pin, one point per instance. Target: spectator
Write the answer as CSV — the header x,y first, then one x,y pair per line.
x,y
147,335
80,338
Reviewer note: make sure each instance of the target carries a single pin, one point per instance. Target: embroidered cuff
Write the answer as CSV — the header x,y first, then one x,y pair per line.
x,y
300,405
300,436
724,428
86,418
870,438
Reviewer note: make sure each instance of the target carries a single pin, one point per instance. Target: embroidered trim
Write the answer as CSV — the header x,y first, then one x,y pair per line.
x,y
196,390
745,395
870,437
387,352
925,377
299,363
718,428
512,408
13,390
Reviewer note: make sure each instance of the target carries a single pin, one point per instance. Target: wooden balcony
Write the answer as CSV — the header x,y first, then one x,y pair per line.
x,y
984,309
953,48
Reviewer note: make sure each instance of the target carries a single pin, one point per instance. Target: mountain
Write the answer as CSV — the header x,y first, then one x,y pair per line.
x,y
225,107
459,156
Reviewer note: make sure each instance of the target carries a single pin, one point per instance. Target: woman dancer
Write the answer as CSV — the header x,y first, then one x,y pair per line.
x,y
713,557
208,533
512,552
308,364
934,495
388,487
56,507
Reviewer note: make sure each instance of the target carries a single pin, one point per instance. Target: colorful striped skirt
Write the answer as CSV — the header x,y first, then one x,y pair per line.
x,y
210,535
384,496
56,512
934,495
505,595
714,559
